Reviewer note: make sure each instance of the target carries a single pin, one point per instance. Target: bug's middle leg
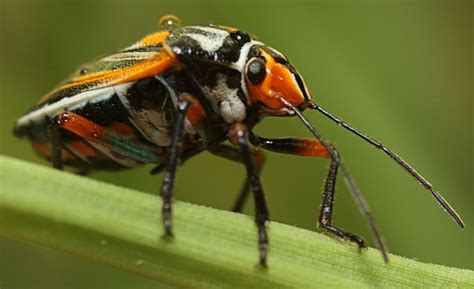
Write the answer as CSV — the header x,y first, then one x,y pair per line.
x,y
232,153
313,148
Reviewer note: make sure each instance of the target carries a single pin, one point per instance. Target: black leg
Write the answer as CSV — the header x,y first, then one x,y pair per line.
x,y
183,158
197,117
234,154
83,172
170,166
242,197
407,167
310,147
56,145
356,194
325,213
239,136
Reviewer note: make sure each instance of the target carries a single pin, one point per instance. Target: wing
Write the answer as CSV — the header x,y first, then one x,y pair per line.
x,y
143,59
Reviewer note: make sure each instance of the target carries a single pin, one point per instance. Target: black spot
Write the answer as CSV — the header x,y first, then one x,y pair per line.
x,y
147,93
256,71
105,112
189,50
84,71
240,37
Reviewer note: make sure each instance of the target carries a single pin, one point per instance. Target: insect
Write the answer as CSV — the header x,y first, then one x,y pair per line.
x,y
184,90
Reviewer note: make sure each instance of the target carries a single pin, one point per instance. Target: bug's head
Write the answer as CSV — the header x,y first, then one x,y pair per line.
x,y
269,76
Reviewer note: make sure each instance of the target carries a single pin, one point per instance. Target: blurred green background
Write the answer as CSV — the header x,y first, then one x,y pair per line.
x,y
401,71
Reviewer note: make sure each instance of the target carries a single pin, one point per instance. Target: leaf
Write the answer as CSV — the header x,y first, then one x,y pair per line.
x,y
211,248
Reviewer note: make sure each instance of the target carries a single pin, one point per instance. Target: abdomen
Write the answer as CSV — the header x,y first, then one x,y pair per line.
x,y
140,113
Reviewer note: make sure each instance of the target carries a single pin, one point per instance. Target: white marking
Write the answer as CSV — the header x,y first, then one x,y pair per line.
x,y
108,152
127,56
225,100
239,65
188,127
209,42
150,123
67,103
121,90
152,126
244,52
211,29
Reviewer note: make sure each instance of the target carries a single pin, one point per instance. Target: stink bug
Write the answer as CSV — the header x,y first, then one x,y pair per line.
x,y
185,90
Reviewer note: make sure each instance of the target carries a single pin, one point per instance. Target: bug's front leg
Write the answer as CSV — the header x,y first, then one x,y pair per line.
x,y
171,163
325,212
238,135
312,148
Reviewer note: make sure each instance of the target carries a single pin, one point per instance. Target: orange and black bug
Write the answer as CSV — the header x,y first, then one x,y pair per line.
x,y
182,91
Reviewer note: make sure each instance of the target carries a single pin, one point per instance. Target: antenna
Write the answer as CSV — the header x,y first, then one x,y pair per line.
x,y
361,203
441,201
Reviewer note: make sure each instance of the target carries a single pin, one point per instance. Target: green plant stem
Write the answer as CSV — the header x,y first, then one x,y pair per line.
x,y
211,248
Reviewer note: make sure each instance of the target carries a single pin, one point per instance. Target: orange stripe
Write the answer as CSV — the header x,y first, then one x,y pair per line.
x,y
155,38
45,151
311,148
228,28
112,77
42,149
122,129
83,148
81,126
278,82
195,113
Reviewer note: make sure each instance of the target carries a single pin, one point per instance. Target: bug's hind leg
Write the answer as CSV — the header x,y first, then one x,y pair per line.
x,y
56,144
171,163
325,213
232,153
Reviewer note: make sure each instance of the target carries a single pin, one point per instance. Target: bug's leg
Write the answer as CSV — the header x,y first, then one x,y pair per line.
x,y
196,116
82,172
310,147
183,158
189,109
56,144
171,163
238,135
325,212
378,145
239,203
232,153
242,196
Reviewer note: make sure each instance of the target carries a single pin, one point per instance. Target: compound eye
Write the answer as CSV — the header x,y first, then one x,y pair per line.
x,y
256,71
240,37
